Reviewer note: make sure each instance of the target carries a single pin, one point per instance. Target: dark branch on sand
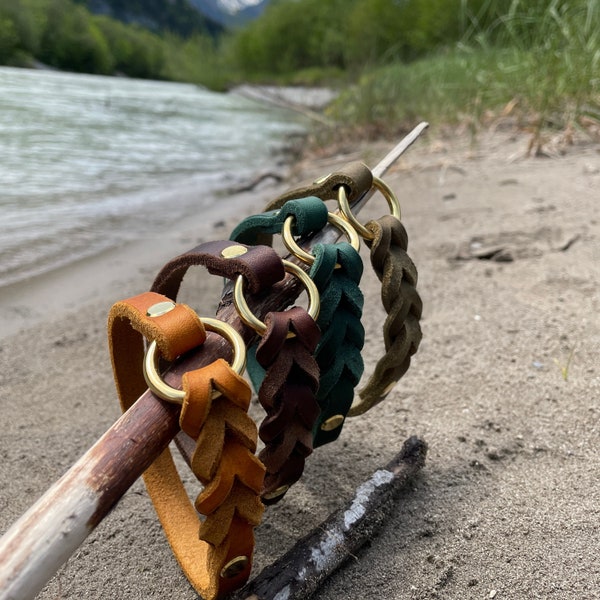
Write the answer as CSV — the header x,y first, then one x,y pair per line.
x,y
302,570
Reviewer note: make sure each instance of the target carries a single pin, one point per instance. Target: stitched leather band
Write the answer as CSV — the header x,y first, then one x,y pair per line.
x,y
216,554
403,305
338,354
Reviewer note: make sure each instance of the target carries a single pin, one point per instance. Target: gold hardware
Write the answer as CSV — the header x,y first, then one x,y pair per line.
x,y
171,394
234,567
160,308
303,255
332,423
246,315
280,491
389,196
233,251
322,180
388,388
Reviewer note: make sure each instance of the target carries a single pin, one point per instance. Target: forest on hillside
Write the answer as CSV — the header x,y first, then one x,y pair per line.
x,y
65,35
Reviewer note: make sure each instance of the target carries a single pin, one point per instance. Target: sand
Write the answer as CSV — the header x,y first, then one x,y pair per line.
x,y
505,390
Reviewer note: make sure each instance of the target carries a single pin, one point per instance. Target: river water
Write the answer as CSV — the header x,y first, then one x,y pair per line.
x,y
89,162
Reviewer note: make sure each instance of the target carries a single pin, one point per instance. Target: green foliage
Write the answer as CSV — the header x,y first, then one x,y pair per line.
x,y
136,52
412,59
196,60
350,34
542,58
9,38
291,36
72,41
173,16
65,35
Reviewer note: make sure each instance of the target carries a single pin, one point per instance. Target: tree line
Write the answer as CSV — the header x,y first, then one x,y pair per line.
x,y
63,34
294,41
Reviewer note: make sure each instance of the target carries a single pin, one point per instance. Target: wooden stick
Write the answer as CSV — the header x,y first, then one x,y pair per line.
x,y
304,568
36,545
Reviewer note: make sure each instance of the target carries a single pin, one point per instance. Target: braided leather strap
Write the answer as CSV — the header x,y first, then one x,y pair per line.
x,y
339,351
336,271
215,555
403,305
287,394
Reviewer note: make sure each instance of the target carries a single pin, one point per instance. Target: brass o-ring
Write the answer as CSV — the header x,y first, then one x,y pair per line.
x,y
250,319
303,255
389,196
163,390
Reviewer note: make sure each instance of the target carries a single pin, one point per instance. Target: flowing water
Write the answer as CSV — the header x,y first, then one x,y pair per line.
x,y
88,162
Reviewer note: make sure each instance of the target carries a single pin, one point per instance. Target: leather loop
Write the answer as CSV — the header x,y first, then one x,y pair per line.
x,y
215,554
310,215
356,177
260,265
403,305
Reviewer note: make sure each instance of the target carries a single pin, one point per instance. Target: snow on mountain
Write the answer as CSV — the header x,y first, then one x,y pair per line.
x,y
230,12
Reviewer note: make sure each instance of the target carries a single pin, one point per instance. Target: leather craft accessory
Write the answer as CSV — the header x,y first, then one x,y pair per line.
x,y
286,350
388,242
215,554
287,393
336,270
356,178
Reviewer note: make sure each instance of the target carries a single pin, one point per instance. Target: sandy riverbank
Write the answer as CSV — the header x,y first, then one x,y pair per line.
x,y
508,504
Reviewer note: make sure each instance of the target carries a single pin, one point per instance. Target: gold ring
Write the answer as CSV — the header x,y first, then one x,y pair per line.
x,y
389,196
171,394
303,255
246,315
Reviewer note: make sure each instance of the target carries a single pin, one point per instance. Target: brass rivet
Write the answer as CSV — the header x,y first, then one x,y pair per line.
x,y
161,308
234,567
332,423
233,251
389,388
280,491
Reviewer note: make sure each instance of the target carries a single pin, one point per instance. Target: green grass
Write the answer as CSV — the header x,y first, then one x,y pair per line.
x,y
545,69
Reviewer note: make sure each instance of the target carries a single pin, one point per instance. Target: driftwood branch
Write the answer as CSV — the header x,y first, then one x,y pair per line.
x,y
36,545
302,570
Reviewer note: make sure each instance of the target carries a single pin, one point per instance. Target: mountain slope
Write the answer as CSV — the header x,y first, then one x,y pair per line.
x,y
178,16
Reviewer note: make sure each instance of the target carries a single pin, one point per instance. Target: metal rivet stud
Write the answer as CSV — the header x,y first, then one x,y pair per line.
x,y
233,251
280,491
234,567
332,423
161,308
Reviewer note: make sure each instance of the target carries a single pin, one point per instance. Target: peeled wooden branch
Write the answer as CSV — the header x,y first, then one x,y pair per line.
x,y
36,545
302,570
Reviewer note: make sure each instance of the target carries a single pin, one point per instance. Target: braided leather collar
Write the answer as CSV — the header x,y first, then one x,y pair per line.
x,y
216,554
401,329
336,271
